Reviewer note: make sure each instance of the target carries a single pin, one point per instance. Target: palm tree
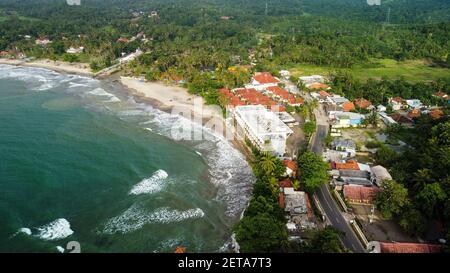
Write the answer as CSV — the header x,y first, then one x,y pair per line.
x,y
267,163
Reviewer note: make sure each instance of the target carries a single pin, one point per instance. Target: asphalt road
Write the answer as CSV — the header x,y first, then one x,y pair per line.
x,y
332,211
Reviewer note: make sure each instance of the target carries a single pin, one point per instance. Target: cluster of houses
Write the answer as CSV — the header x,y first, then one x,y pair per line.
x,y
358,182
339,110
405,111
263,90
259,112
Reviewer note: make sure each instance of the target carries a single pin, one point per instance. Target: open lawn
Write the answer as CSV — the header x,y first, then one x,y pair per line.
x,y
411,70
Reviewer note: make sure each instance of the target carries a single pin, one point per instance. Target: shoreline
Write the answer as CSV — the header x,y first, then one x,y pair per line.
x,y
162,97
157,94
57,66
167,97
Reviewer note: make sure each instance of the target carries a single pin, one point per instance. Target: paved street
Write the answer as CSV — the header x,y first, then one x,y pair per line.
x,y
332,211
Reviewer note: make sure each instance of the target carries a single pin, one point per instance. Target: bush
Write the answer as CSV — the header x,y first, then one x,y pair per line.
x,y
373,145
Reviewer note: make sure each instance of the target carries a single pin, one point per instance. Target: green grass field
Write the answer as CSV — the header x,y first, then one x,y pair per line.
x,y
4,18
413,70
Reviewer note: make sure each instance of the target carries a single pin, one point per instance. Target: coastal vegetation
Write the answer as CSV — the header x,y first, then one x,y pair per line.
x,y
420,194
263,226
313,170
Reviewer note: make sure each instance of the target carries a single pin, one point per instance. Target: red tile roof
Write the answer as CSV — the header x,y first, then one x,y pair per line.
x,y
436,114
236,101
349,165
362,103
290,164
295,100
360,194
286,183
265,77
226,92
415,113
409,248
279,92
180,249
278,108
281,200
348,106
324,94
319,86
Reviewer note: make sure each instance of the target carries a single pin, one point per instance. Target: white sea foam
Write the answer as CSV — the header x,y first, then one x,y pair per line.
x,y
56,230
136,217
150,185
228,168
37,79
102,93
26,231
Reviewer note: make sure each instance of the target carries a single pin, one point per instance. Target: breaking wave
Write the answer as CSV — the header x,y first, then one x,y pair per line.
x,y
56,230
136,217
150,185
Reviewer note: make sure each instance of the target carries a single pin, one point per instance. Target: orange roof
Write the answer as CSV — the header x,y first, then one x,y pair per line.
x,y
436,114
265,77
362,103
415,113
286,183
324,94
279,108
409,248
279,91
226,92
348,106
349,165
319,86
281,200
360,194
295,100
236,101
180,249
290,164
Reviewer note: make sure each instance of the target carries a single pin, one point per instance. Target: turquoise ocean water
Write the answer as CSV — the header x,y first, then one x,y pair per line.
x,y
80,160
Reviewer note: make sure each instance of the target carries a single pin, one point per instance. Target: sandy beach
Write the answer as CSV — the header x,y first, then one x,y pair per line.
x,y
58,66
173,98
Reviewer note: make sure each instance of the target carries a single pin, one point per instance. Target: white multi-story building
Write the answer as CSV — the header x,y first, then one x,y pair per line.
x,y
130,57
263,128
